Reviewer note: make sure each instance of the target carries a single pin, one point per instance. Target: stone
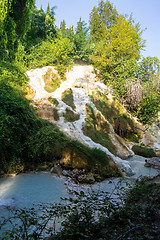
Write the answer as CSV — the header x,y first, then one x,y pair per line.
x,y
56,169
153,162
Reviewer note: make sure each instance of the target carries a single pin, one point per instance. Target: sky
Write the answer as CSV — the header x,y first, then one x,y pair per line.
x,y
145,12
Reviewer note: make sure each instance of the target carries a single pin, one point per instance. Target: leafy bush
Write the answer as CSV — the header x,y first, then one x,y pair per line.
x,y
47,144
46,53
54,101
17,121
13,74
149,108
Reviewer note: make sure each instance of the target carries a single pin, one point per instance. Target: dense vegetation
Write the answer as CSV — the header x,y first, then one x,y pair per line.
x,y
113,42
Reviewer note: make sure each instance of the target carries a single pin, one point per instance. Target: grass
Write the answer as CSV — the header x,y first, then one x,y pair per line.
x,y
115,113
97,129
67,97
70,116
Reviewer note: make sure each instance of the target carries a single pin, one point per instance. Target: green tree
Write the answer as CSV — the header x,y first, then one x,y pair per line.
x,y
63,28
101,18
49,23
117,53
81,43
37,32
149,69
14,22
149,74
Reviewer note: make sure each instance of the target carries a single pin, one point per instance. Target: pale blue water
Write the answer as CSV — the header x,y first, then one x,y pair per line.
x,y
137,164
30,189
24,190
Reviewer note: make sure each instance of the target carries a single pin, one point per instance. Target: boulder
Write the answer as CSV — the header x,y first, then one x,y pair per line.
x,y
56,169
153,162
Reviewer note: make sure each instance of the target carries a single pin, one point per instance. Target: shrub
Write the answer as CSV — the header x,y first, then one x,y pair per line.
x,y
13,74
46,53
17,121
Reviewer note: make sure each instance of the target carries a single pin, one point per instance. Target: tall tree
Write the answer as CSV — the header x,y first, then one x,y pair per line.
x,y
14,22
37,30
101,18
63,28
82,48
50,23
118,49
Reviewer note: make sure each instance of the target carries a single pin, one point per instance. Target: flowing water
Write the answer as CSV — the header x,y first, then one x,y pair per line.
x,y
24,190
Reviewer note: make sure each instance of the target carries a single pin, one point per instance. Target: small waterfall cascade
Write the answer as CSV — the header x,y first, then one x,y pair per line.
x,y
82,80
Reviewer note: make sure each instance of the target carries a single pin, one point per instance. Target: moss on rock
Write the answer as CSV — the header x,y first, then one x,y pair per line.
x,y
67,97
70,116
143,151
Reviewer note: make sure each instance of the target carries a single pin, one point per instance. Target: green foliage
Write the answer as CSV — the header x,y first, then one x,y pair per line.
x,y
42,27
70,116
148,108
117,52
56,52
47,144
67,97
101,18
149,69
143,151
41,55
13,74
63,51
49,23
82,48
14,22
79,40
63,28
17,121
36,33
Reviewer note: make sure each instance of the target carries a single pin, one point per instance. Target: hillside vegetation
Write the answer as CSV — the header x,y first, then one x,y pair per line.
x,y
113,46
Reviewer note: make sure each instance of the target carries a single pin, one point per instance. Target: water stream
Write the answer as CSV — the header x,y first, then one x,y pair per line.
x,y
24,190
